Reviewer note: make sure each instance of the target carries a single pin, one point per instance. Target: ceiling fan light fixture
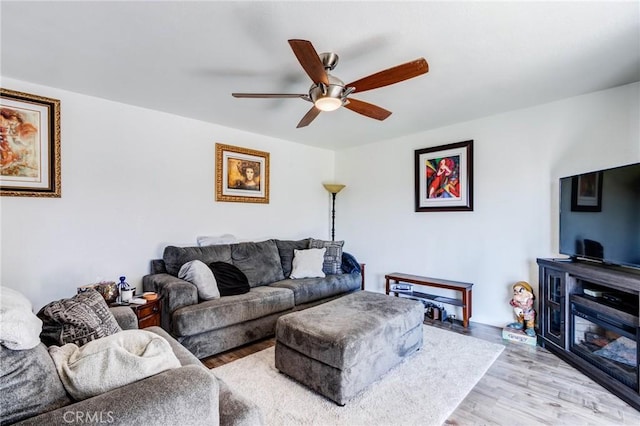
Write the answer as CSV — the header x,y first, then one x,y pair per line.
x,y
329,93
328,103
327,97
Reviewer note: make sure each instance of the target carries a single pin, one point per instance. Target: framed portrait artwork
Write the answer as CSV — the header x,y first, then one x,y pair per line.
x,y
444,177
29,145
242,175
586,192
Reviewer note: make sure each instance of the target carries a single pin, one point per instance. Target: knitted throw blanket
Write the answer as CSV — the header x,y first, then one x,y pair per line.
x,y
111,362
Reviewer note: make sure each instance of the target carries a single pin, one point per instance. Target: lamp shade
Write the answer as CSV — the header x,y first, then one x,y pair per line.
x,y
333,188
328,104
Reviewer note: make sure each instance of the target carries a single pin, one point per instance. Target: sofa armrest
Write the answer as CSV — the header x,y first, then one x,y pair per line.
x,y
183,354
175,294
185,395
126,318
236,410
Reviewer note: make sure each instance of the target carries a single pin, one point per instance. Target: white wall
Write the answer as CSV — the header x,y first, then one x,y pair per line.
x,y
136,180
519,158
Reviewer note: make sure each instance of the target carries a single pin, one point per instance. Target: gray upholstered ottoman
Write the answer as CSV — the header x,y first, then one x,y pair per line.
x,y
340,347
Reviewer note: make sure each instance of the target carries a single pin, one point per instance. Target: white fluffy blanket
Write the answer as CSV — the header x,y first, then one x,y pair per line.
x,y
19,327
110,362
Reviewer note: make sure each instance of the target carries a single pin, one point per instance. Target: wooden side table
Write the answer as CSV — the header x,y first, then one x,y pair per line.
x,y
148,314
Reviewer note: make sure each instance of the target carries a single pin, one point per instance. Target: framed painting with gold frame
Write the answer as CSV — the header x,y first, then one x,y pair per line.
x,y
242,174
29,145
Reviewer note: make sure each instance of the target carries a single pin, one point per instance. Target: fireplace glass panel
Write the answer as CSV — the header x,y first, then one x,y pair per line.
x,y
553,327
612,347
555,289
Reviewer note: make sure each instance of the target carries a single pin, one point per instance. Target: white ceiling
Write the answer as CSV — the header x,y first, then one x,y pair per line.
x,y
186,58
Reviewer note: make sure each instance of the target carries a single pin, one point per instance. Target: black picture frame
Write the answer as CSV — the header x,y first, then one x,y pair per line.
x,y
444,178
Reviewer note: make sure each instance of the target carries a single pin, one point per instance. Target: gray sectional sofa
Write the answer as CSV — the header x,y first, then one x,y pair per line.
x,y
213,326
33,394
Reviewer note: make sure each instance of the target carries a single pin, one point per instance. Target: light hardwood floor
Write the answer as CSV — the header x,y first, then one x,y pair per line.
x,y
525,386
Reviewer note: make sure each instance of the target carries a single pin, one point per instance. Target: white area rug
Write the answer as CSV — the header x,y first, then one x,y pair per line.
x,y
424,390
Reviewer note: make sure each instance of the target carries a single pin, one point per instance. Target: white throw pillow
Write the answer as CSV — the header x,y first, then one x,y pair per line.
x,y
308,263
20,327
200,275
216,240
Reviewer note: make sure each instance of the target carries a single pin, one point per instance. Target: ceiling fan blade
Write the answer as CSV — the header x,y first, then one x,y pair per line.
x,y
309,117
391,76
310,61
269,95
367,109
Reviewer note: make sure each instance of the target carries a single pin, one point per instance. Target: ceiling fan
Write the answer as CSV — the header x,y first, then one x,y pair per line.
x,y
328,93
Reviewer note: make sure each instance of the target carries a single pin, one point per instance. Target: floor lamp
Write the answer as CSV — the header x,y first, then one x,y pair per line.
x,y
333,188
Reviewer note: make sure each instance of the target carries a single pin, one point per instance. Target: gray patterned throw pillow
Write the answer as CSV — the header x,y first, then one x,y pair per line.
x,y
332,257
79,319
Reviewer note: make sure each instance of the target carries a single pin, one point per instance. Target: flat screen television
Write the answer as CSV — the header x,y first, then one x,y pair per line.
x,y
600,216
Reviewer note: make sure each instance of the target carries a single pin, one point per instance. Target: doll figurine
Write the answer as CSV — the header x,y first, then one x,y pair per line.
x,y
522,302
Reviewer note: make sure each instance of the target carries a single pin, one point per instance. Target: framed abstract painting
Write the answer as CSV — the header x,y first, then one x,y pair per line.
x,y
444,178
29,145
242,174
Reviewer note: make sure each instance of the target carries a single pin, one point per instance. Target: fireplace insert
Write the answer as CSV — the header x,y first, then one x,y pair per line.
x,y
606,335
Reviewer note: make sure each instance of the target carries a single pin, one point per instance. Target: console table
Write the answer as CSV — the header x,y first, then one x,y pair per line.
x,y
464,288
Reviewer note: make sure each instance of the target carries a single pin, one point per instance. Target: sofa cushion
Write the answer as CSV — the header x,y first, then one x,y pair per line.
x,y
260,261
285,249
332,257
157,266
29,384
308,290
174,257
308,263
230,280
219,313
200,275
79,319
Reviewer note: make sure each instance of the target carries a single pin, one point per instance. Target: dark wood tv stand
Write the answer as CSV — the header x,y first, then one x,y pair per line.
x,y
572,321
